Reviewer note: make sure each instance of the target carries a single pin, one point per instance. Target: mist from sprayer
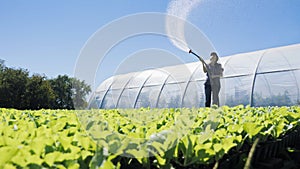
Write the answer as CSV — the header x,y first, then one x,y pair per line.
x,y
175,26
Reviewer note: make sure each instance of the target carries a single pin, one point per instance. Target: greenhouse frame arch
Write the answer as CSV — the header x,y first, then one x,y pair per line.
x,y
269,77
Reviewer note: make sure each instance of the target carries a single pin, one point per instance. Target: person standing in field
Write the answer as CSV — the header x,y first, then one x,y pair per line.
x,y
212,84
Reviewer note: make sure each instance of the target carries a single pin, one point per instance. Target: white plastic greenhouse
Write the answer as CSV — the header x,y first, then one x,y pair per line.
x,y
262,78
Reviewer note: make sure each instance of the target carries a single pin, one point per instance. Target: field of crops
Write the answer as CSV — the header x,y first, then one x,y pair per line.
x,y
140,138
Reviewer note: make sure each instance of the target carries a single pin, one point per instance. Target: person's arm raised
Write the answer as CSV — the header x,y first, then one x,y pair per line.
x,y
204,68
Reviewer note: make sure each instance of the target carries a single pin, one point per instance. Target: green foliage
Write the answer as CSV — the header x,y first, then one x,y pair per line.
x,y
69,93
39,93
21,91
13,87
136,138
80,90
2,65
62,87
46,138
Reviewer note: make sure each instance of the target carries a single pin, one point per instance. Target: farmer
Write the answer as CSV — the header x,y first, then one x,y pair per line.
x,y
212,84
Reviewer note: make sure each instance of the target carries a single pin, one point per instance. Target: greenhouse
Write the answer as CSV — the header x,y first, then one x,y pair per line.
x,y
269,77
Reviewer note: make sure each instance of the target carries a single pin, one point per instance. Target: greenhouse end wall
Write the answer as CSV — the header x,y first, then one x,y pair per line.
x,y
267,77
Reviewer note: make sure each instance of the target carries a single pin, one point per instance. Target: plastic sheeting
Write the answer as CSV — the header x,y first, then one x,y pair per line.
x,y
268,77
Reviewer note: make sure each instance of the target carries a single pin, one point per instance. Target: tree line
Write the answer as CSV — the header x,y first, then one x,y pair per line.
x,y
19,90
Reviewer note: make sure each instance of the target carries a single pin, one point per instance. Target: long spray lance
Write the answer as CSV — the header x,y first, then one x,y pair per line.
x,y
206,66
190,51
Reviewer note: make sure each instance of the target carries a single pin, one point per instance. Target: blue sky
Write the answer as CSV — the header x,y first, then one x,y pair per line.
x,y
46,37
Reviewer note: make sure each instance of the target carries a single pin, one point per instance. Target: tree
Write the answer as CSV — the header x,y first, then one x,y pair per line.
x,y
19,91
13,87
79,92
69,93
39,93
2,65
62,88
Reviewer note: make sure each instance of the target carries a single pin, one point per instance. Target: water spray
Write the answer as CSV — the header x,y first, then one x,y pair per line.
x,y
178,12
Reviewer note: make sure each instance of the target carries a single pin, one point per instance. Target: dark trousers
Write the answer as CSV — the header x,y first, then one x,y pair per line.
x,y
207,88
212,90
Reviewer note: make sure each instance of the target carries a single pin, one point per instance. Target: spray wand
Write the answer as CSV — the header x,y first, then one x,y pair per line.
x,y
206,66
190,51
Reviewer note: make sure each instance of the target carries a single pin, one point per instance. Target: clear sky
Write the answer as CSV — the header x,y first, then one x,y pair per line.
x,y
46,37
